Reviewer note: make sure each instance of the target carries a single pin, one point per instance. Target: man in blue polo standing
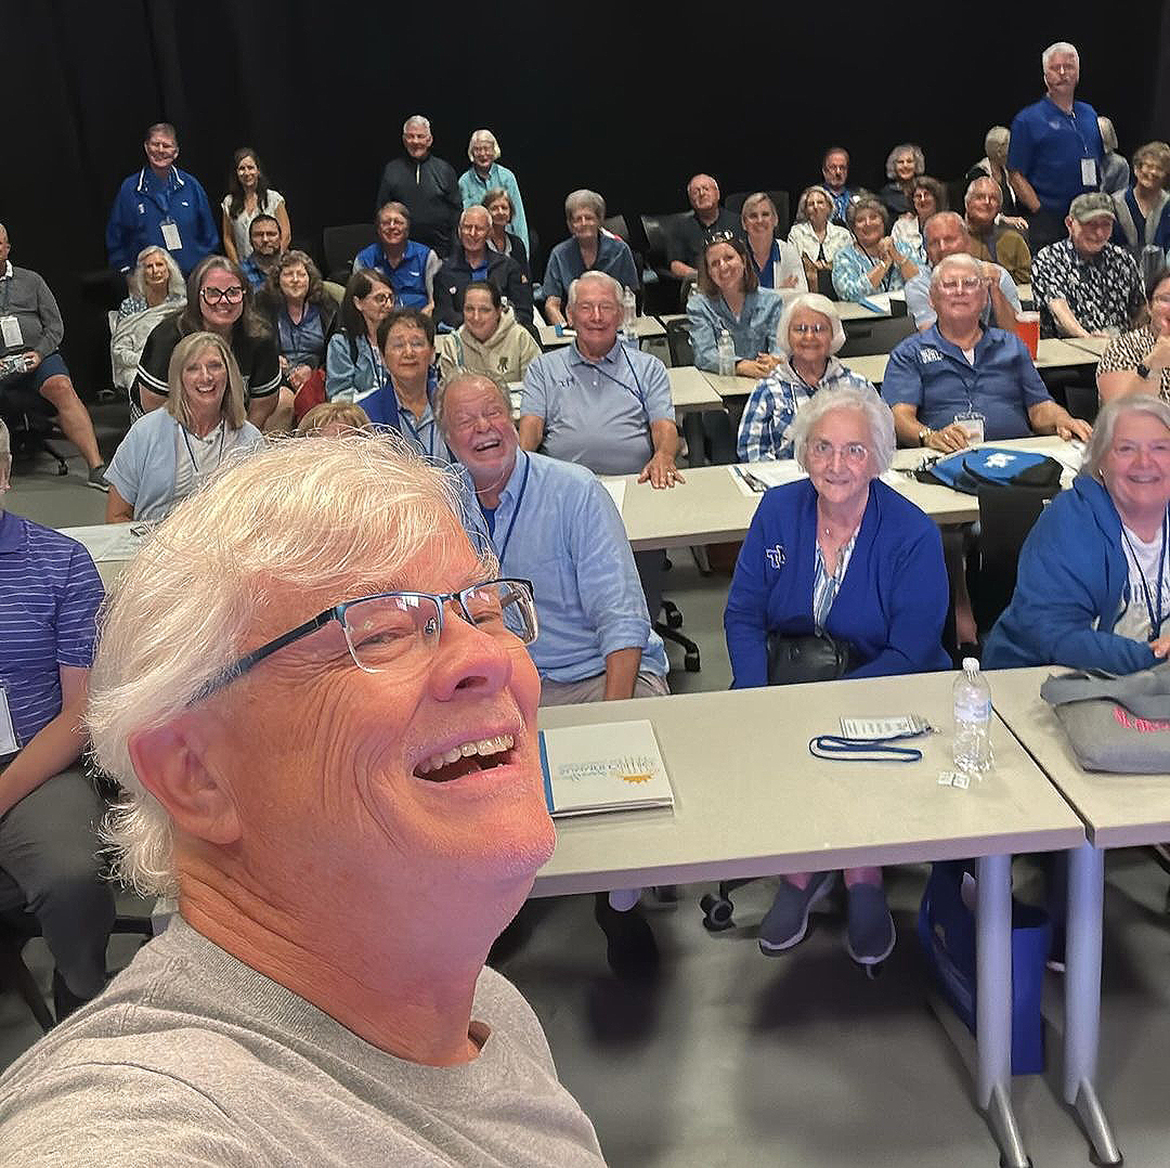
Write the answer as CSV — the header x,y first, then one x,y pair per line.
x,y
161,205
1055,152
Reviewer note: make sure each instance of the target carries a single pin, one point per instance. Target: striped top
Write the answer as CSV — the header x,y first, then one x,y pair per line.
x,y
827,584
49,597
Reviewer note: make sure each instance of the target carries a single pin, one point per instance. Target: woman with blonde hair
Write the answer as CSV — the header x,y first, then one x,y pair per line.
x,y
170,452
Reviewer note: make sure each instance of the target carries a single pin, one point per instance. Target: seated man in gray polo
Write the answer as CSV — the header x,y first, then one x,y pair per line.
x,y
553,523
945,234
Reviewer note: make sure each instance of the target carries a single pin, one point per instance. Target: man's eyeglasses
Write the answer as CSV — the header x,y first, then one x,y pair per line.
x,y
393,631
966,284
232,295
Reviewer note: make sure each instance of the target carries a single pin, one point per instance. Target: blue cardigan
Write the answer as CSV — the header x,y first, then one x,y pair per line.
x,y
1072,576
892,602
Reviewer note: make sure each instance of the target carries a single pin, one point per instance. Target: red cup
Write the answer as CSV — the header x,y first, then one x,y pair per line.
x,y
1028,330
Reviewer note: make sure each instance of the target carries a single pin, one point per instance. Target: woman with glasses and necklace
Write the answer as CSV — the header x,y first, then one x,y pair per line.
x,y
404,400
873,263
220,301
353,357
831,556
810,332
169,453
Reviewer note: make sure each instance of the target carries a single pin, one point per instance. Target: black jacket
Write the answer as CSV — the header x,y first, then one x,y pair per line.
x,y
505,273
430,192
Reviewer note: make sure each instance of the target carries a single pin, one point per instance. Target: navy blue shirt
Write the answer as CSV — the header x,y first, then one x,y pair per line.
x,y
49,597
409,279
929,372
1047,148
566,265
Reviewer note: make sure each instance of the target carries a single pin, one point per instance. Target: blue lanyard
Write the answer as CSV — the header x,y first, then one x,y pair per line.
x,y
516,511
380,370
404,418
1155,615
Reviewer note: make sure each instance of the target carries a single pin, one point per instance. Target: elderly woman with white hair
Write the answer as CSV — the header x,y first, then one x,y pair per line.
x,y
317,700
157,289
168,453
994,165
903,165
1093,586
486,174
589,249
831,557
808,336
813,234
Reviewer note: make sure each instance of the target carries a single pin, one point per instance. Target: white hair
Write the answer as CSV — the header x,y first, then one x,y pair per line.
x,y
334,516
815,302
867,401
997,136
475,207
614,286
461,375
905,148
417,120
1106,421
483,136
176,285
958,259
1108,133
982,178
591,200
1059,47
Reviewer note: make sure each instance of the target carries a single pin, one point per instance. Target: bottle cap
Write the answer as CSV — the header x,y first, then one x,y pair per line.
x,y
970,664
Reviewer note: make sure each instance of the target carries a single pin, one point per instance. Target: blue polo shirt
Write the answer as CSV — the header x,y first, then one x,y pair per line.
x,y
930,373
49,597
1047,147
598,413
409,279
557,526
566,265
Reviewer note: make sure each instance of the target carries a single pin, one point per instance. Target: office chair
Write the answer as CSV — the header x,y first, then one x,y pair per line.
x,y
665,294
341,245
880,335
1006,515
31,427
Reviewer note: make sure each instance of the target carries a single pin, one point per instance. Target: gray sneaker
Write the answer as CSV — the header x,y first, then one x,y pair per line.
x,y
97,478
787,920
869,933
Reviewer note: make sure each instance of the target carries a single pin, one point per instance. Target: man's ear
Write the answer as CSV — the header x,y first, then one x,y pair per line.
x,y
170,763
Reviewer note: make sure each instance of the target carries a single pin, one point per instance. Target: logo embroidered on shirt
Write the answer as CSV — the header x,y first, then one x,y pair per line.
x,y
776,556
928,355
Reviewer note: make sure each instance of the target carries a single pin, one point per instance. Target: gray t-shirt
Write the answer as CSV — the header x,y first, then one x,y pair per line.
x,y
191,1057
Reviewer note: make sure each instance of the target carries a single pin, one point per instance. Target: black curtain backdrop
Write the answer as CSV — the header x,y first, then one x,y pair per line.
x,y
629,102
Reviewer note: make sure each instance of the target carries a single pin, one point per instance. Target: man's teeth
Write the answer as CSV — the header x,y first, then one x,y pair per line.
x,y
483,747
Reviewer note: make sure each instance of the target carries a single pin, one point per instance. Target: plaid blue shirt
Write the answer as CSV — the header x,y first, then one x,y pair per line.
x,y
763,430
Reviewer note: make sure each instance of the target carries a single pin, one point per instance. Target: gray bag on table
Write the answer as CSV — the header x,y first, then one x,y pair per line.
x,y
1117,724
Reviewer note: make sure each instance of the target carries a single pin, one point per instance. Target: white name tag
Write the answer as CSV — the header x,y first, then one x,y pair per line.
x,y
8,743
1089,172
874,728
10,331
171,237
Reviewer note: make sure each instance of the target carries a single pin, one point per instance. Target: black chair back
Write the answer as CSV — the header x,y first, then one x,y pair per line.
x,y
678,341
341,244
866,337
1082,401
1006,515
825,284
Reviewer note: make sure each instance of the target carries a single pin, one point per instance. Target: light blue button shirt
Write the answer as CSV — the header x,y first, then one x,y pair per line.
x,y
598,413
562,531
753,331
918,303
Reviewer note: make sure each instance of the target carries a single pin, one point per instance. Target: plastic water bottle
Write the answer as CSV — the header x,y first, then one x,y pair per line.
x,y
629,316
972,719
726,351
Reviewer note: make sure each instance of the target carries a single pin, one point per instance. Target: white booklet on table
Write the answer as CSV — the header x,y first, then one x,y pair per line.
x,y
616,766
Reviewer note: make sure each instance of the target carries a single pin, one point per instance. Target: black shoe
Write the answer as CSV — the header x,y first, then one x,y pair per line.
x,y
630,949
65,1001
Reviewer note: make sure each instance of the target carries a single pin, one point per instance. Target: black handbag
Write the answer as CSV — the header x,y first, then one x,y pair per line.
x,y
809,657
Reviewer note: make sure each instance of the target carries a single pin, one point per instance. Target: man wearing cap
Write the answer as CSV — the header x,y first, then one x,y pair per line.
x,y
1084,285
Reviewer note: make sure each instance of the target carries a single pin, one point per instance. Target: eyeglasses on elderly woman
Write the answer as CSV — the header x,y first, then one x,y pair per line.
x,y
396,631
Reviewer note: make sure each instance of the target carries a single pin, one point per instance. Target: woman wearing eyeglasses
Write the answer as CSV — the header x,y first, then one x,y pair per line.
x,y
1139,361
219,300
873,263
168,453
810,332
831,556
729,297
353,358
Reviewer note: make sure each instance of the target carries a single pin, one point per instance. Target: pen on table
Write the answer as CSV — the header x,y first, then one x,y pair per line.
x,y
751,480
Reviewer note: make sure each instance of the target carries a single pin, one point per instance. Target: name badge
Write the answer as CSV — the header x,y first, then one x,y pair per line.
x,y
171,238
10,331
8,743
971,424
1089,172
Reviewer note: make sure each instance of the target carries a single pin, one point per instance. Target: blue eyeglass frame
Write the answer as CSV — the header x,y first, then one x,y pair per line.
x,y
337,613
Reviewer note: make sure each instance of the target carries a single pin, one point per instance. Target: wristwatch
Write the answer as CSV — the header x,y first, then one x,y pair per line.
x,y
923,434
1143,371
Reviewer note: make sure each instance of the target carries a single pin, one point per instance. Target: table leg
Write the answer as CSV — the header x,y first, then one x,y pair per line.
x,y
993,1007
1082,996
